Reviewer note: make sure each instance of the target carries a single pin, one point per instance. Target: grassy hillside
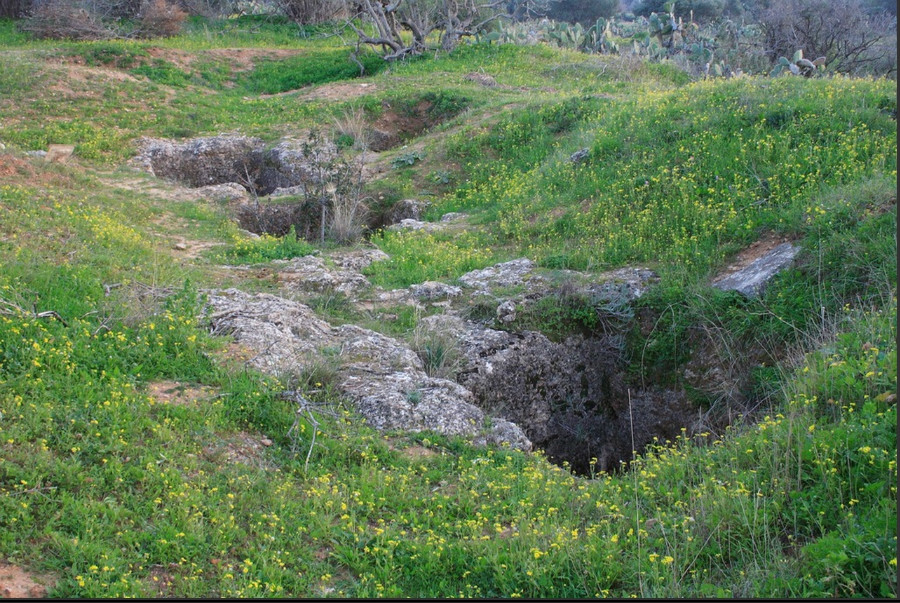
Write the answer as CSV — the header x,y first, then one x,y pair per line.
x,y
140,457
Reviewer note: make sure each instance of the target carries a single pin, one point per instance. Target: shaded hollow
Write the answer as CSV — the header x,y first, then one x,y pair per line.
x,y
248,161
276,219
572,400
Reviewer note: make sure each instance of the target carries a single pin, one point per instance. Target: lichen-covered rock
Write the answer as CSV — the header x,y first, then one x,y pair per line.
x,y
504,433
276,219
203,161
289,191
413,402
381,140
383,377
579,155
433,290
633,280
410,224
453,216
286,336
481,78
506,312
291,163
371,353
358,259
310,273
506,274
569,397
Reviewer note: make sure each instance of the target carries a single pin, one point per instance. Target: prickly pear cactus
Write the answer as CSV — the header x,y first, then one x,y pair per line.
x,y
798,65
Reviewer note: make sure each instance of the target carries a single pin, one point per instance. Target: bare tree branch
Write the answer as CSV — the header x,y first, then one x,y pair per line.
x,y
402,27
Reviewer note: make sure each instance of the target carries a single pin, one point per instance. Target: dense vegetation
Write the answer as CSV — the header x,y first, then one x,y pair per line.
x,y
114,492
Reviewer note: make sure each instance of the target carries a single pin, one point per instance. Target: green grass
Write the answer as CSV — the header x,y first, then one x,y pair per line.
x,y
265,248
701,168
272,77
418,256
118,494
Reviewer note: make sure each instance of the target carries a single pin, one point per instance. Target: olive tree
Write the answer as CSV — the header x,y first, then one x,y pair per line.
x,y
401,28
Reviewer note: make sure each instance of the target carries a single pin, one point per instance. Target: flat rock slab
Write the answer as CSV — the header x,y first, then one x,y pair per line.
x,y
752,280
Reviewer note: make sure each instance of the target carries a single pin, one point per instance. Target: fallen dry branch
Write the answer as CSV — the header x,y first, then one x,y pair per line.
x,y
8,308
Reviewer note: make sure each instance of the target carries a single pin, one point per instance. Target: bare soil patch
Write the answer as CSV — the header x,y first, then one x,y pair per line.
x,y
13,166
161,580
179,394
15,170
16,583
337,91
394,127
418,452
241,59
84,73
190,249
241,447
71,79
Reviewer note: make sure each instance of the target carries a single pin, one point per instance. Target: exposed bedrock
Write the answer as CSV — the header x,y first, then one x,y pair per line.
x,y
383,378
570,398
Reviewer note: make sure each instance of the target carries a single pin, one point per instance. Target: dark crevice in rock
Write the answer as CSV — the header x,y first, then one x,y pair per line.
x,y
248,161
571,399
276,219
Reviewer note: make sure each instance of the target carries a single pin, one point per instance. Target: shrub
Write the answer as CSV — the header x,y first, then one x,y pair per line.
x,y
210,9
160,19
701,10
585,12
14,9
61,20
850,40
352,126
310,12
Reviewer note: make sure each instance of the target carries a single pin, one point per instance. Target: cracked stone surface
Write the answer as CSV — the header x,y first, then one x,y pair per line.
x,y
569,398
382,376
506,274
311,274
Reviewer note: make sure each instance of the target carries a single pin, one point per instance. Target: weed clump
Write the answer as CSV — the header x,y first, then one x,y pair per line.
x,y
439,351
